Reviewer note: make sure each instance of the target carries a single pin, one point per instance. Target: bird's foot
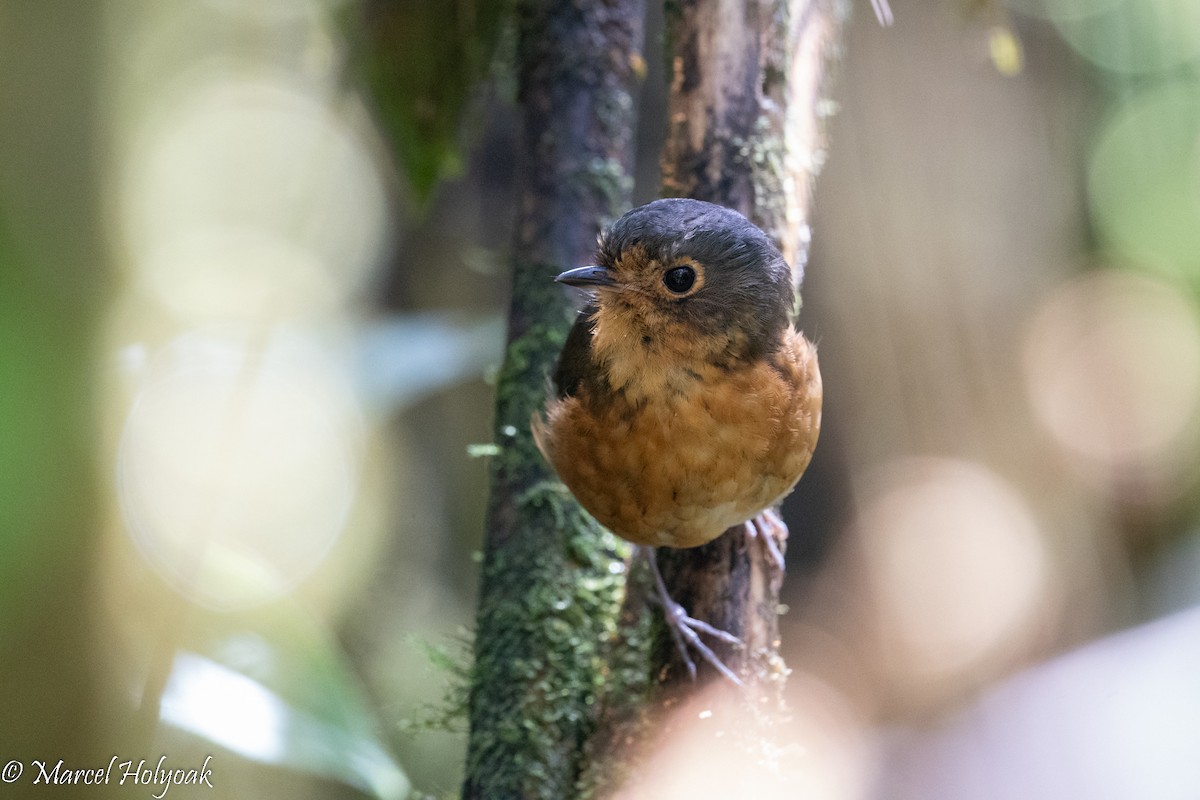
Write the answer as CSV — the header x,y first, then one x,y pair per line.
x,y
686,630
770,529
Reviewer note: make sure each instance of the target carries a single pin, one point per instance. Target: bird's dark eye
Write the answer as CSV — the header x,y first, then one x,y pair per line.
x,y
680,279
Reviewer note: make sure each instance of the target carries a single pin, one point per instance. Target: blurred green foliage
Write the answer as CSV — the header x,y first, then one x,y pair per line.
x,y
1142,190
51,289
274,686
1130,37
43,425
420,63
1143,181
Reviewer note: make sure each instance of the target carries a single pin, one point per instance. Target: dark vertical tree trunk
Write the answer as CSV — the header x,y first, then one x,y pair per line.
x,y
746,100
549,594
745,109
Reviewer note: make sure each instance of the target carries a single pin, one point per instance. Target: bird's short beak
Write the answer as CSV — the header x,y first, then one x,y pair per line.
x,y
587,276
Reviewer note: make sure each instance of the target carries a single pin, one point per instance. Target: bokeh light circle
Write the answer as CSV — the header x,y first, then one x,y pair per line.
x,y
264,162
1065,9
1112,367
957,569
1144,179
238,274
279,11
238,464
1130,37
713,745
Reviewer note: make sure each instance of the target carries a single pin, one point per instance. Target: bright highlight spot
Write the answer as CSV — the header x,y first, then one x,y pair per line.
x,y
1005,49
221,705
210,700
251,200
1112,363
720,753
238,464
956,566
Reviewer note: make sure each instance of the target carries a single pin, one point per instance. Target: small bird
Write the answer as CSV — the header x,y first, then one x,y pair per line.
x,y
685,402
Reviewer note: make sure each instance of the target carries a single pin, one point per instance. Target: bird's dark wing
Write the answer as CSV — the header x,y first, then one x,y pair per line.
x,y
576,358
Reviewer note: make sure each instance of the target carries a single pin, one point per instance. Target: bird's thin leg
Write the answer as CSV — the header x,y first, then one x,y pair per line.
x,y
766,526
683,628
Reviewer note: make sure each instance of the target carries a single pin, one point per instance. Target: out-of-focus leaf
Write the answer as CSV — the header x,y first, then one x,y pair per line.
x,y
420,62
404,358
275,688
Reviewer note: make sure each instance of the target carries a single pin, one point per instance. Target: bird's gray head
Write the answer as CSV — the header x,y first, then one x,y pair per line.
x,y
689,268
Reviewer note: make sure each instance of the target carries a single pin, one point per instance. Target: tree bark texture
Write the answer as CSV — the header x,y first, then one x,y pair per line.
x,y
747,104
745,109
552,583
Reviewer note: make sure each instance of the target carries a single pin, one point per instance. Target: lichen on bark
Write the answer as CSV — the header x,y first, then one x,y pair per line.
x,y
552,579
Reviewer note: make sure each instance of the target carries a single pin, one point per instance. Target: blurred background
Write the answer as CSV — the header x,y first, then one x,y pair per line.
x,y
249,311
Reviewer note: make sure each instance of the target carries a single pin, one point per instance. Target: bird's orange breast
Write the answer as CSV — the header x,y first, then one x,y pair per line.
x,y
683,455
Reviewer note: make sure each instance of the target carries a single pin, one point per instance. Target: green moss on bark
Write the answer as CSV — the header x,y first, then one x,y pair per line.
x,y
553,579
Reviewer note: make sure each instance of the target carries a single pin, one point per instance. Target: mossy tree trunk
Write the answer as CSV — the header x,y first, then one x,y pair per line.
x,y
745,109
551,583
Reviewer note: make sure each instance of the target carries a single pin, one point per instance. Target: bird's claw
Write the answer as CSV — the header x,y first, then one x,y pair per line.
x,y
767,526
686,630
